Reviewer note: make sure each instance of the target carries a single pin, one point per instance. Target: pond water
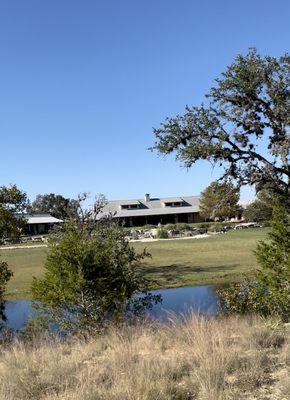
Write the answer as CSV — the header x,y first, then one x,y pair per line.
x,y
179,301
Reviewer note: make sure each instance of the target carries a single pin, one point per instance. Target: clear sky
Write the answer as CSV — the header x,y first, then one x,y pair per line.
x,y
83,82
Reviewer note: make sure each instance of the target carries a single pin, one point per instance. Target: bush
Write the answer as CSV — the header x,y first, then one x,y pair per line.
x,y
203,224
269,292
214,228
266,224
162,234
149,226
182,227
91,277
170,227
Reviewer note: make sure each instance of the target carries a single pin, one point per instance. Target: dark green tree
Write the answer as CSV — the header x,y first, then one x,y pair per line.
x,y
54,204
13,203
91,277
247,110
261,209
219,201
5,275
268,292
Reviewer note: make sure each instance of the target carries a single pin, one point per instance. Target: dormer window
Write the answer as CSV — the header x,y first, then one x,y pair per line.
x,y
130,206
173,202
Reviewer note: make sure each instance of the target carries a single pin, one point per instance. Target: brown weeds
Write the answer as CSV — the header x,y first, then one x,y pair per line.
x,y
200,358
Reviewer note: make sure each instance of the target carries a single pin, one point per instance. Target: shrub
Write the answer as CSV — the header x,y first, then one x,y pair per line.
x,y
182,227
269,292
162,233
149,226
170,227
214,228
91,277
203,225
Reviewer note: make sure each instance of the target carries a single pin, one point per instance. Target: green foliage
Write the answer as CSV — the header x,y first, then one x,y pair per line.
x,y
203,225
54,204
148,226
170,227
182,227
214,228
273,256
262,208
257,212
91,276
12,202
178,227
5,275
268,293
219,201
162,233
250,101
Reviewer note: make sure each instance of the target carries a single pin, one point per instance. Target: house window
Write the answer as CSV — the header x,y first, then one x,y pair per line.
x,y
129,206
173,204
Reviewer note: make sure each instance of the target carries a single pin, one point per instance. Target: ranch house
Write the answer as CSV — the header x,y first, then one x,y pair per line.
x,y
140,212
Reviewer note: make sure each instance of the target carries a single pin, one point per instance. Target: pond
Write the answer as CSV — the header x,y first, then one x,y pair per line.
x,y
178,301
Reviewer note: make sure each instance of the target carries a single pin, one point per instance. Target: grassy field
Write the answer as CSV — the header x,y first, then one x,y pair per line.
x,y
218,259
25,263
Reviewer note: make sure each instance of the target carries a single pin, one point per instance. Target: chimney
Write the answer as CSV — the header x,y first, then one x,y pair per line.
x,y
147,197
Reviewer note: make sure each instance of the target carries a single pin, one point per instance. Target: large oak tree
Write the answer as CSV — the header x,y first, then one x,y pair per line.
x,y
13,203
219,201
244,128
54,204
262,208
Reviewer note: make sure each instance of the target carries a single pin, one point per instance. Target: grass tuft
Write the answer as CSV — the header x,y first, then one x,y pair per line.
x,y
201,358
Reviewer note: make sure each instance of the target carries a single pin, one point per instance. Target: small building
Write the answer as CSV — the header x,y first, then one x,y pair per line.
x,y
40,224
152,211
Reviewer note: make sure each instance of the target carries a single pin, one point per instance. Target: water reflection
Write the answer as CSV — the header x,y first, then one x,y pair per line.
x,y
18,313
180,301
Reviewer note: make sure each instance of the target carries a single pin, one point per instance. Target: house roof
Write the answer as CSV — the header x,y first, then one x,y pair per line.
x,y
129,202
171,200
155,206
41,219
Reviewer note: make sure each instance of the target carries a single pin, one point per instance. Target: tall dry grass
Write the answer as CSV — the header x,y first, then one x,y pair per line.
x,y
201,358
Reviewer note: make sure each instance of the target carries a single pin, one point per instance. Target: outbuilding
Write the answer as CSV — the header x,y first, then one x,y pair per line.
x,y
40,224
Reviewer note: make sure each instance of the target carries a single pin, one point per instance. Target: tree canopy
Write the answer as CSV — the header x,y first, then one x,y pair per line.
x,y
244,128
219,201
262,208
5,275
13,203
54,204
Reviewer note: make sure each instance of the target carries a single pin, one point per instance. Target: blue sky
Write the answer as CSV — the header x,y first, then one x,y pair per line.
x,y
82,83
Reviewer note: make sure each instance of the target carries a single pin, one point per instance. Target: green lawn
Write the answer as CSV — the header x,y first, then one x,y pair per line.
x,y
25,263
215,260
218,259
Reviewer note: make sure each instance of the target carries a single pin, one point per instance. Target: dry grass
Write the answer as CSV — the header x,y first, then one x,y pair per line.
x,y
202,358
